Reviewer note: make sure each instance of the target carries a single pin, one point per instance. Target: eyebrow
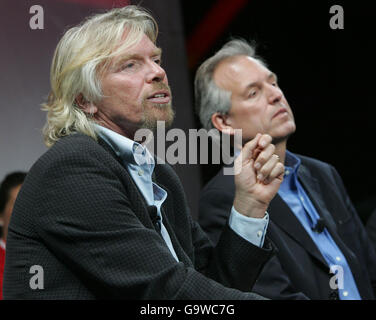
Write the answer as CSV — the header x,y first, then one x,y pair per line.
x,y
249,86
272,75
157,52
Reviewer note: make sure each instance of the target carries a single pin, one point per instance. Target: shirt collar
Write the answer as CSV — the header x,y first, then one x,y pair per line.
x,y
128,150
292,163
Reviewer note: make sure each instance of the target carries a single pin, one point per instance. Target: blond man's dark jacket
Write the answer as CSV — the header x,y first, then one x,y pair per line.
x,y
81,218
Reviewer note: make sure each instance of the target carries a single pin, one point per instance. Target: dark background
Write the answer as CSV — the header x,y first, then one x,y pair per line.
x,y
326,75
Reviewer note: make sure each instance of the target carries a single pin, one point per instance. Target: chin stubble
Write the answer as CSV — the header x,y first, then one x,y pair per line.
x,y
151,115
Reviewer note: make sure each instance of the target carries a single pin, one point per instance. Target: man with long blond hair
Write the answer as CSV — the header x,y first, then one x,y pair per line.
x,y
96,217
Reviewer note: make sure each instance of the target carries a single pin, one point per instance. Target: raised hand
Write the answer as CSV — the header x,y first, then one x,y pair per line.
x,y
260,174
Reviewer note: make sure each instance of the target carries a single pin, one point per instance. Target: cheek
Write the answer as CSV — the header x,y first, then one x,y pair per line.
x,y
250,115
120,91
121,87
255,120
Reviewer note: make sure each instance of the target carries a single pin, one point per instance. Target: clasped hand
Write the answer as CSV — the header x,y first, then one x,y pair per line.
x,y
260,174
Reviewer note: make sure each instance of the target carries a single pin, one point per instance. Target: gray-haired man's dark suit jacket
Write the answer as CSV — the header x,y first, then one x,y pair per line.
x,y
80,216
298,270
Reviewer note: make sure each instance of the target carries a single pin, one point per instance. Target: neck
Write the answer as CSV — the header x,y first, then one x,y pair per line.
x,y
114,127
280,150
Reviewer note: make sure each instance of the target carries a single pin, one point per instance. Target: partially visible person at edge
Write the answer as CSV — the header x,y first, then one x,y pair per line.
x,y
9,189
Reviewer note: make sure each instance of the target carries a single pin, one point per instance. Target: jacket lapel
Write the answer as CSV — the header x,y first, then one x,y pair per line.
x,y
168,217
136,197
175,242
312,187
281,214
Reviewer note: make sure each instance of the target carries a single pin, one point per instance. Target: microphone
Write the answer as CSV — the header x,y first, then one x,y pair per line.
x,y
155,218
320,226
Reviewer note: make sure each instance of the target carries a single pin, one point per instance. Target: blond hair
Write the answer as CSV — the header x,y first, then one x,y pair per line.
x,y
80,58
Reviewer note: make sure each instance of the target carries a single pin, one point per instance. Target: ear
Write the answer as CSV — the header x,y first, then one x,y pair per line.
x,y
222,123
86,106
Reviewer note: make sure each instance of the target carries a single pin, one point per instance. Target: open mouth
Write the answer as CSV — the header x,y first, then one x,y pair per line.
x,y
160,97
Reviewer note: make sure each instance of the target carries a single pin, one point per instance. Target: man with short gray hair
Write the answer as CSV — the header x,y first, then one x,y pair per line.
x,y
313,224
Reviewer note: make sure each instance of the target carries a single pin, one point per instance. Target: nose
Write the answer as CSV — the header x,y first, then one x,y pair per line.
x,y
156,73
275,94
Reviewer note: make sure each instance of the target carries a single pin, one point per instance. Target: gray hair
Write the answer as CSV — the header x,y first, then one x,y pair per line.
x,y
209,98
81,57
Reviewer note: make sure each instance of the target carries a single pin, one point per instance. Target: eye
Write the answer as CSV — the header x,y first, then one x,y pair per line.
x,y
252,93
128,65
158,61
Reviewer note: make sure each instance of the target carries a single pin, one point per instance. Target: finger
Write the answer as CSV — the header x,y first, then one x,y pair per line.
x,y
249,147
264,156
277,173
265,140
256,152
267,168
